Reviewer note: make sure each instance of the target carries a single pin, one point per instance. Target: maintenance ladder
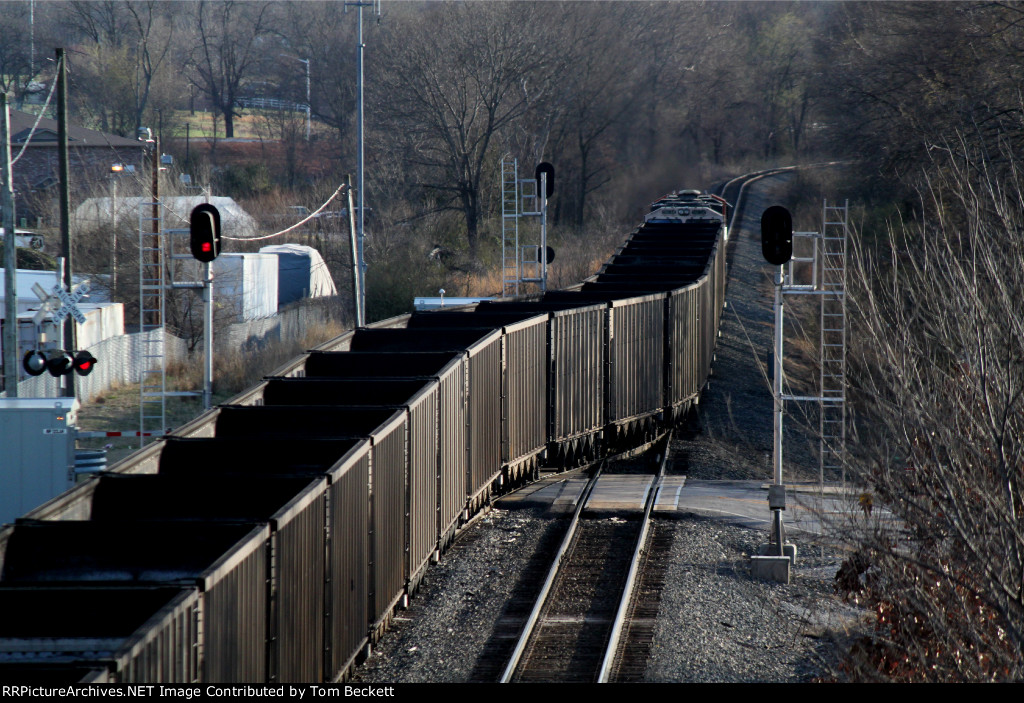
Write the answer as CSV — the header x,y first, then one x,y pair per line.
x,y
832,423
827,260
152,312
509,227
159,266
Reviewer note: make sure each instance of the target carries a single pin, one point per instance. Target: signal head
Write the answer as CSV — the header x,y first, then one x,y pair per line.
x,y
777,235
60,364
34,362
84,363
204,232
546,168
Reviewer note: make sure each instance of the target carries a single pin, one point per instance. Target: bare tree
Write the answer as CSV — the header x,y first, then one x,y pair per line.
x,y
323,34
906,78
938,381
154,37
780,97
233,41
102,22
594,96
122,59
453,78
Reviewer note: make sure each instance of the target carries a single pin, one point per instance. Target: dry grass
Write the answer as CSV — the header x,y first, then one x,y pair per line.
x,y
238,370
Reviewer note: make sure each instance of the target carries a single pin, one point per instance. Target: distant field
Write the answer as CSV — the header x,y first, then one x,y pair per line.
x,y
251,124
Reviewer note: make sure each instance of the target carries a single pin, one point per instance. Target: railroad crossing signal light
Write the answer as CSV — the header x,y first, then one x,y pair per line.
x,y
204,232
60,364
34,362
84,363
777,235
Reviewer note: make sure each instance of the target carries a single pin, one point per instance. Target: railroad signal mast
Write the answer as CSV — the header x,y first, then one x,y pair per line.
x,y
524,197
777,249
162,266
827,262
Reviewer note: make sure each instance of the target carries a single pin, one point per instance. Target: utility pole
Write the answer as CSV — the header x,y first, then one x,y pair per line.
x,y
65,204
356,293
10,256
361,233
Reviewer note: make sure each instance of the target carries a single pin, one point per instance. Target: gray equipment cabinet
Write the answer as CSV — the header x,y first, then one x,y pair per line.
x,y
37,452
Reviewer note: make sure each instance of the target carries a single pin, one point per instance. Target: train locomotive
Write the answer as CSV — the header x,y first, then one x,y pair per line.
x,y
271,539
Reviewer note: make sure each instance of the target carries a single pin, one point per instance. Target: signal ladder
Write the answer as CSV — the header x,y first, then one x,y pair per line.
x,y
521,197
828,282
509,227
156,248
152,308
832,424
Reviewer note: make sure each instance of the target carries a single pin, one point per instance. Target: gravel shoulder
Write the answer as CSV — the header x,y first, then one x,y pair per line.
x,y
716,622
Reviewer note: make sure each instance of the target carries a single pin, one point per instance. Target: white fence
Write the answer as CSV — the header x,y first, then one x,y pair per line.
x,y
271,104
290,323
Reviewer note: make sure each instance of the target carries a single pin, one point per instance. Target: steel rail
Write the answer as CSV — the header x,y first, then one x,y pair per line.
x,y
634,567
531,622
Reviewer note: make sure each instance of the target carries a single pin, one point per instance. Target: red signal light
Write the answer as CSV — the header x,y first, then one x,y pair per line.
x,y
204,232
84,363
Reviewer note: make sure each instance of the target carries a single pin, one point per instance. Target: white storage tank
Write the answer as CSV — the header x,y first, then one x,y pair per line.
x,y
246,284
302,273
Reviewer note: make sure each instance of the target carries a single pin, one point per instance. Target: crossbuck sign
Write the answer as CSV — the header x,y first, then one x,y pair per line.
x,y
68,302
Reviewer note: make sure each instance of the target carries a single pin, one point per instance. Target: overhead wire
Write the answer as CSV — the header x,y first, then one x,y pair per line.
x,y
307,218
32,131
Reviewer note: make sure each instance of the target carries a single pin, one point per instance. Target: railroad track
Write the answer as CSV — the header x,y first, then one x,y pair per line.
x,y
586,615
579,631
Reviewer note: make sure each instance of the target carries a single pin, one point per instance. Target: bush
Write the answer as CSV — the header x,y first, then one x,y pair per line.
x,y
937,380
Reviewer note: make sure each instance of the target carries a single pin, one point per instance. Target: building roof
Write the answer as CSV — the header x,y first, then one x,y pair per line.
x,y
46,134
100,211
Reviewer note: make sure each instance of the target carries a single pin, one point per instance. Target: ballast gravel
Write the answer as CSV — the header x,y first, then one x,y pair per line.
x,y
716,622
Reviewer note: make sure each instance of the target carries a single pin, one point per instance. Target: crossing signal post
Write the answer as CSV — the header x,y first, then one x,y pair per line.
x,y
59,363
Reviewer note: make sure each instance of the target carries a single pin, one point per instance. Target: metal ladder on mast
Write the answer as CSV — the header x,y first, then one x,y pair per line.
x,y
152,309
509,227
832,405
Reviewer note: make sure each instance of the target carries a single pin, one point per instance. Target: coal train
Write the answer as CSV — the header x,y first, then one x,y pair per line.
x,y
272,538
